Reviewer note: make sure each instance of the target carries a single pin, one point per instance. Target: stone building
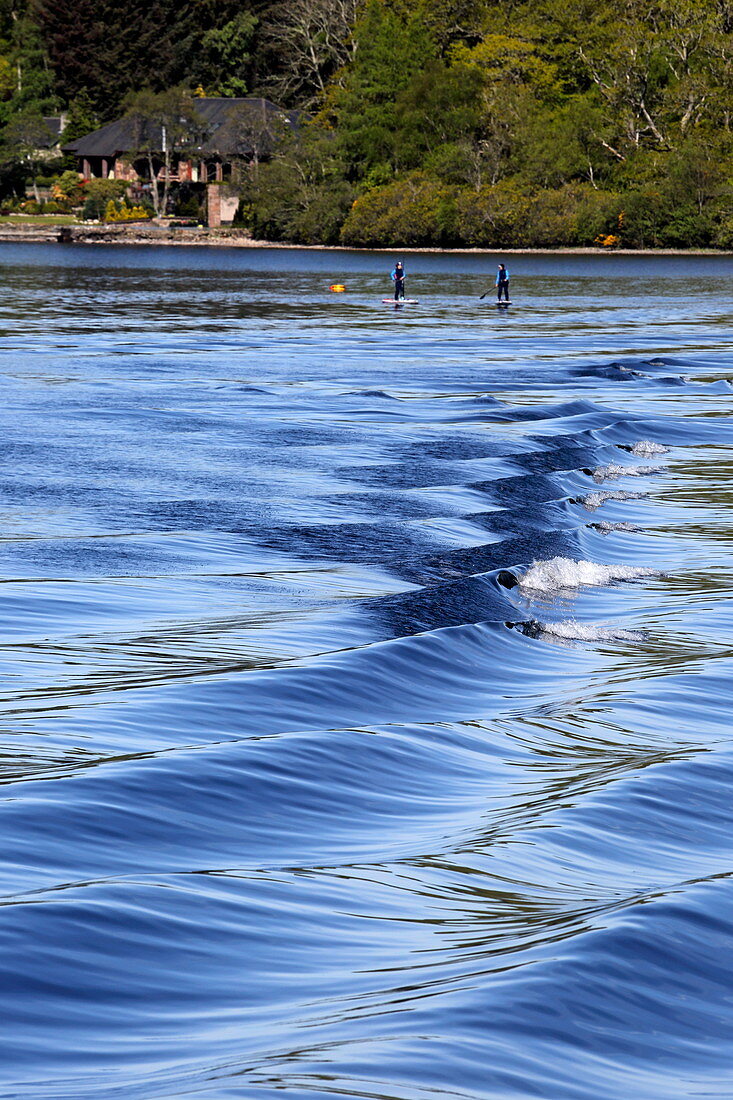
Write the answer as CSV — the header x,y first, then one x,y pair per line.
x,y
229,133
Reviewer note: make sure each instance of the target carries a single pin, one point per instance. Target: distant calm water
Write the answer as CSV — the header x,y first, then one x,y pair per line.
x,y
366,709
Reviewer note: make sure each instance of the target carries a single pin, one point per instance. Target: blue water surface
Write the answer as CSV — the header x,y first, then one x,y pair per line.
x,y
365,722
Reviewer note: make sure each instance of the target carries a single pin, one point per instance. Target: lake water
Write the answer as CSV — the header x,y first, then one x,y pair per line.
x,y
367,681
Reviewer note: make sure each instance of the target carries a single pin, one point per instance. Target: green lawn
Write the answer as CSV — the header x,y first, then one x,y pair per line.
x,y
38,219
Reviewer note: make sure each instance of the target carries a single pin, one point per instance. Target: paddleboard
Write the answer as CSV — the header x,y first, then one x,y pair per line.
x,y
400,301
504,303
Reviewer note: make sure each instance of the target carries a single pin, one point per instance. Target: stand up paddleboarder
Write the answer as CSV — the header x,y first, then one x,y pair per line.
x,y
398,277
502,283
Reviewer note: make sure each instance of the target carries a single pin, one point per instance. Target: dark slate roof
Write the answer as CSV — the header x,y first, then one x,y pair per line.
x,y
227,126
113,138
232,126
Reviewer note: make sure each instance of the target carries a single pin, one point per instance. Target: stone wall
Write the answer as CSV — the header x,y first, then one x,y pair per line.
x,y
222,200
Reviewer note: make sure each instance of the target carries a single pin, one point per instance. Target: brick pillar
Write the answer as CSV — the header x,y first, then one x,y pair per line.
x,y
213,205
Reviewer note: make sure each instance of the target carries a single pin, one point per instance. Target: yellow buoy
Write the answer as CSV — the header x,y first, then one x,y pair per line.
x,y
337,287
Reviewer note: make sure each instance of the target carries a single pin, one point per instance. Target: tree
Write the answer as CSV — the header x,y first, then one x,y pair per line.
x,y
164,126
300,195
390,50
250,132
556,146
26,80
440,105
85,42
226,55
315,40
80,118
110,50
23,150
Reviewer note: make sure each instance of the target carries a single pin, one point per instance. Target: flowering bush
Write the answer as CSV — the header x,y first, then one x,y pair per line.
x,y
608,240
68,188
121,212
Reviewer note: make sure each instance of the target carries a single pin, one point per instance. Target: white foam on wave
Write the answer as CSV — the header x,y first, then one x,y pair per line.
x,y
570,630
595,500
605,527
614,470
646,447
559,573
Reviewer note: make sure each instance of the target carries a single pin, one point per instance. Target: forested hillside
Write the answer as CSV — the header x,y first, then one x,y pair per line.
x,y
440,122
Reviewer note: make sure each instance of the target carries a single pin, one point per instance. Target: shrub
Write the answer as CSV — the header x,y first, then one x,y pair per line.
x,y
188,208
69,187
319,220
687,227
723,231
598,213
553,219
93,210
281,202
495,217
415,210
269,201
646,212
572,215
105,189
122,212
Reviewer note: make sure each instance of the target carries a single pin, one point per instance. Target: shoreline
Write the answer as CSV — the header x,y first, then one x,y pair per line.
x,y
233,238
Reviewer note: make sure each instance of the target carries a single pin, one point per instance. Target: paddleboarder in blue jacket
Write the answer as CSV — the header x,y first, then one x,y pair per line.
x,y
398,276
502,283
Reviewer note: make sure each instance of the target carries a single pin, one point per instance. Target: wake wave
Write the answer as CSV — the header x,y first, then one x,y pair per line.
x,y
595,500
646,448
570,630
561,573
614,471
606,528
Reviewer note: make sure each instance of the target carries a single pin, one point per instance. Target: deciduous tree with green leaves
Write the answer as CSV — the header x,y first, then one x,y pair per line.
x,y
164,128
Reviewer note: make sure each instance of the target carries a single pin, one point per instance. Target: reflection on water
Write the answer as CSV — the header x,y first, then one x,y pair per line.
x,y
364,718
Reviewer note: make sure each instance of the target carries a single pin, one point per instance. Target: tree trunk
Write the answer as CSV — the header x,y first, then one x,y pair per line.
x,y
166,180
154,185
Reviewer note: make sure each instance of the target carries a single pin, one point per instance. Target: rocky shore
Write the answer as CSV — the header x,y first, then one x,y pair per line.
x,y
149,233
126,234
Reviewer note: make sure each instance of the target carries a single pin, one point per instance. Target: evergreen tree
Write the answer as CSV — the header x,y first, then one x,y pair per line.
x,y
391,50
107,50
26,83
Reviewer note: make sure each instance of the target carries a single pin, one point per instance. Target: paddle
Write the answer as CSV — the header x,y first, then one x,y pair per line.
x,y
482,296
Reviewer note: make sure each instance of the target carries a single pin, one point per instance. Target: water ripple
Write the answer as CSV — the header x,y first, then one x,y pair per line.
x,y
355,739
